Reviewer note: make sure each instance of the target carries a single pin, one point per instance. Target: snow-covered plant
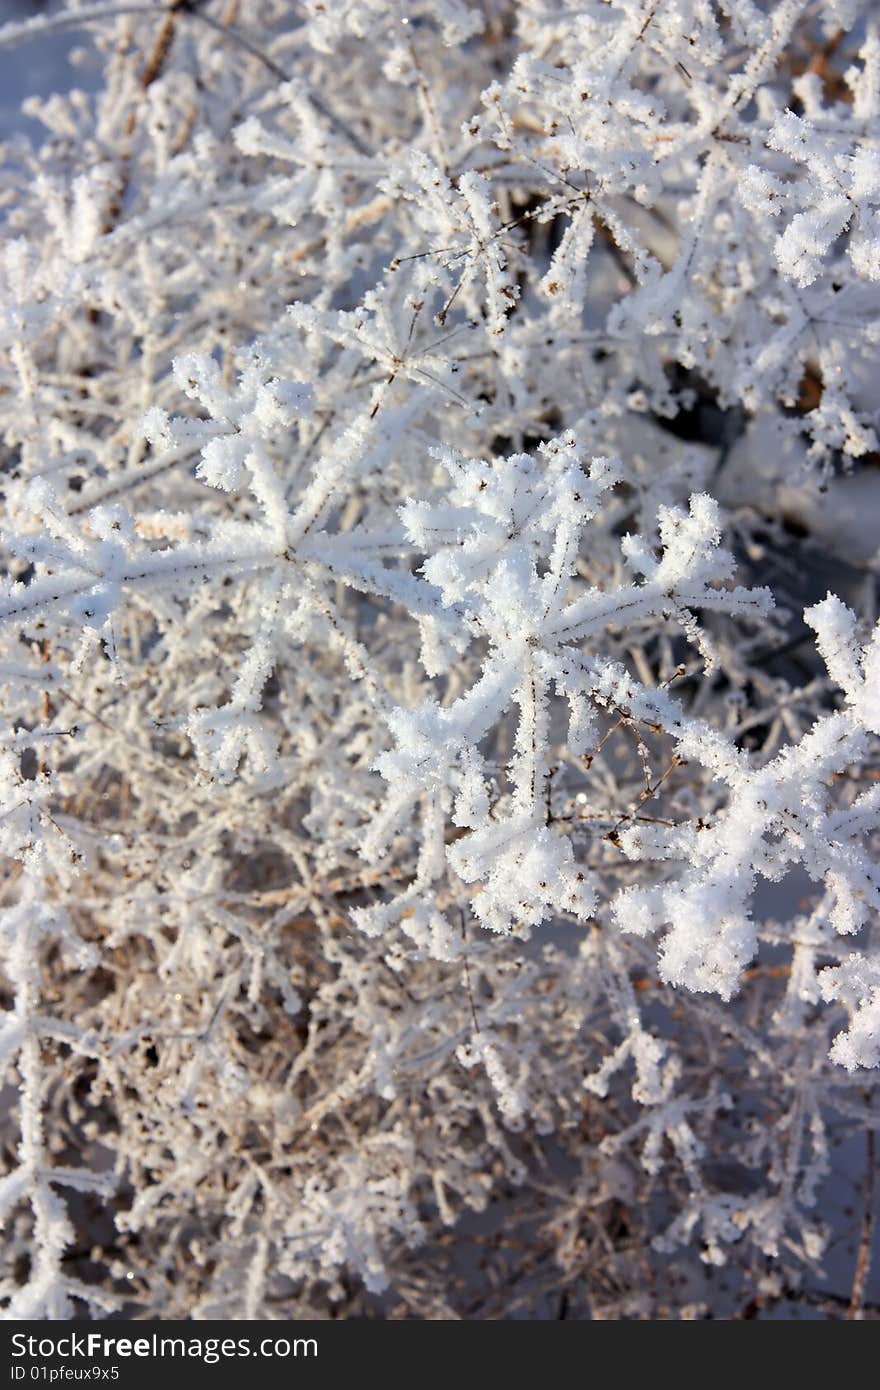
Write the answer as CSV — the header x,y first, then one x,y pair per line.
x,y
436,779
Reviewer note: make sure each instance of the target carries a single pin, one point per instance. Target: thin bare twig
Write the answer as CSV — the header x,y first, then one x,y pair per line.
x,y
856,1312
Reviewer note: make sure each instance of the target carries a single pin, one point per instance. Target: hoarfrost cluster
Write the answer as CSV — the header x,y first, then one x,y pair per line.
x,y
440,797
